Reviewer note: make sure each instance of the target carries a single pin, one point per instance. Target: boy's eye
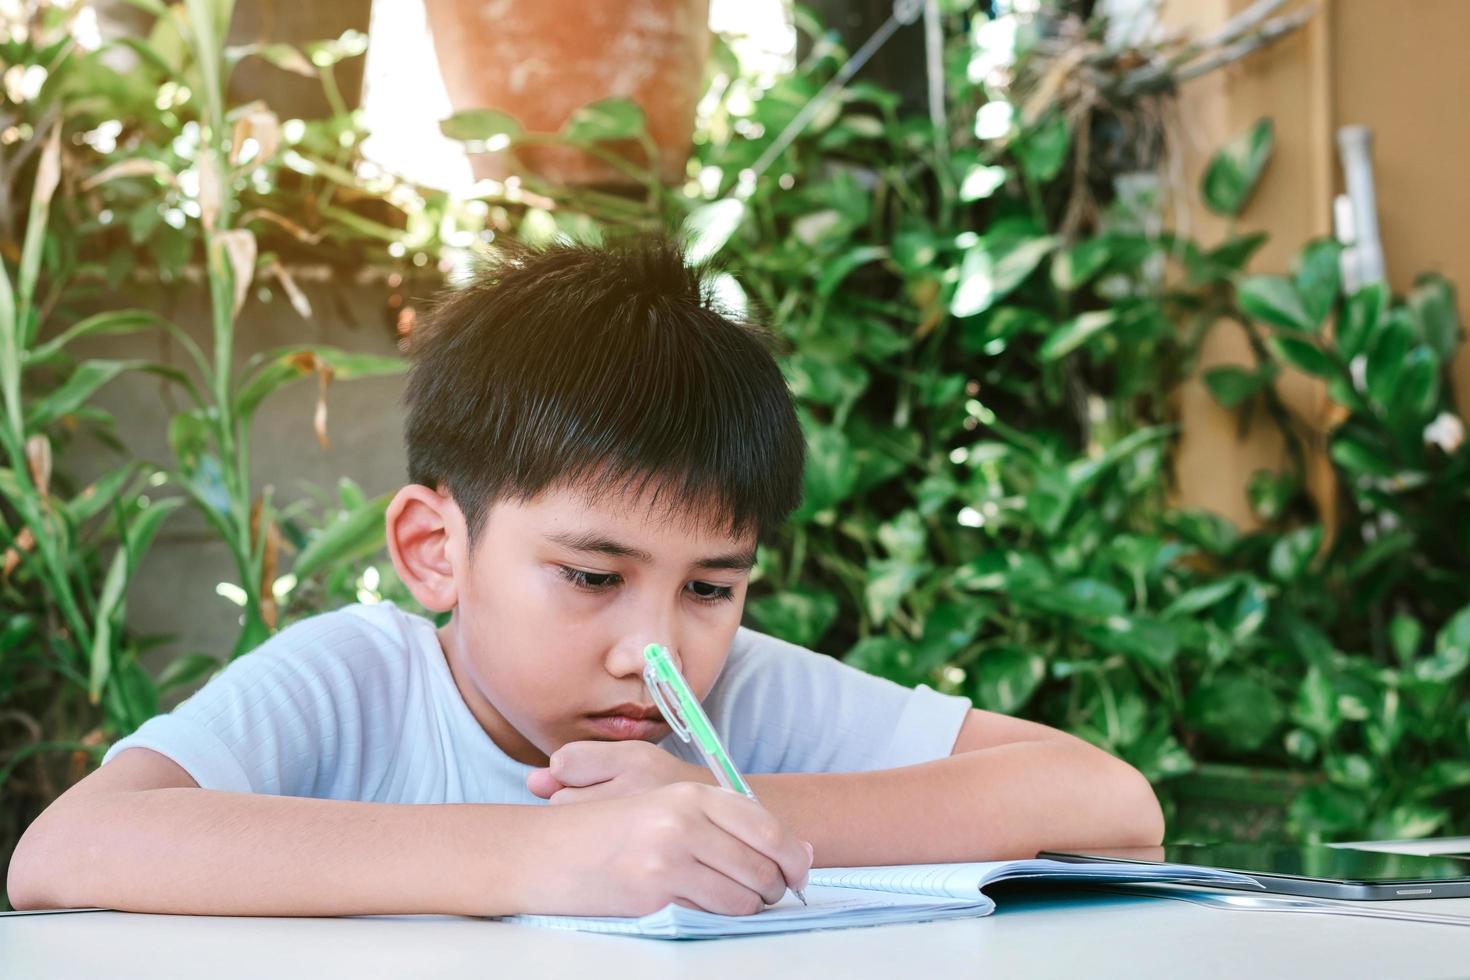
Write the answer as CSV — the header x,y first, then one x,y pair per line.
x,y
603,581
588,581
709,592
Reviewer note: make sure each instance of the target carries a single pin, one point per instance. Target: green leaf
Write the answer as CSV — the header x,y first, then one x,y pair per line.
x,y
616,118
950,627
1200,598
825,381
189,438
185,669
1293,552
885,656
1006,678
1451,651
1233,385
1273,300
995,265
1316,705
1076,332
278,368
1352,455
905,537
78,387
1154,642
100,324
1271,493
981,181
1409,820
1074,266
1433,303
1303,356
889,582
140,531
843,266
708,227
831,471
797,615
1386,361
1416,393
1405,634
1318,279
1158,755
1042,149
101,655
1237,710
351,536
1232,174
1326,811
1231,256
479,125
130,698
1362,315
99,495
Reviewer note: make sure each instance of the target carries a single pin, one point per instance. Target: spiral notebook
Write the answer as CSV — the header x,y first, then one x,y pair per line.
x,y
845,897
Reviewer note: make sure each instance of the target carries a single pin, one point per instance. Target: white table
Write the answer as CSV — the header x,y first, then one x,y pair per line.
x,y
1033,933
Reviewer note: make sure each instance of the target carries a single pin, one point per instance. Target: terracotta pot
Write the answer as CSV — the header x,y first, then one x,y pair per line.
x,y
541,60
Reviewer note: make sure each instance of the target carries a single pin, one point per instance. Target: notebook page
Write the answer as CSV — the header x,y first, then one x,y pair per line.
x,y
963,880
938,880
829,908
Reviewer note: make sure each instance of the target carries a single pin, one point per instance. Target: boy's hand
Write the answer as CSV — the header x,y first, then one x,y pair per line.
x,y
583,771
702,847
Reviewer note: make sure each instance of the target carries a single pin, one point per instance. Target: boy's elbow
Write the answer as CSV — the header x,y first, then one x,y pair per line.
x,y
25,884
37,868
1145,820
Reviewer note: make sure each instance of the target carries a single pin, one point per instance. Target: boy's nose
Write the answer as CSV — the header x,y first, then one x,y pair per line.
x,y
625,659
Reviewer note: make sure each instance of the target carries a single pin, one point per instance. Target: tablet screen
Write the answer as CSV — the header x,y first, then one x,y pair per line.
x,y
1298,861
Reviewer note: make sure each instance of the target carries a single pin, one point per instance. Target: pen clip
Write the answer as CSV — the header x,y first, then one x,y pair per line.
x,y
665,701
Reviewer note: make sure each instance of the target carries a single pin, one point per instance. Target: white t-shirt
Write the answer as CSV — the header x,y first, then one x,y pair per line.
x,y
359,704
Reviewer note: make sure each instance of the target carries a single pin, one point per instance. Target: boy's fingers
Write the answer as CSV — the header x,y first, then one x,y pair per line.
x,y
759,828
581,763
738,861
542,783
703,887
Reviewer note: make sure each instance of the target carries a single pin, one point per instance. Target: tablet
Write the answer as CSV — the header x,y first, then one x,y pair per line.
x,y
1307,869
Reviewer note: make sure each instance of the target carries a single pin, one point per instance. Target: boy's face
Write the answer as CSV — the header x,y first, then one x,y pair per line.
x,y
559,598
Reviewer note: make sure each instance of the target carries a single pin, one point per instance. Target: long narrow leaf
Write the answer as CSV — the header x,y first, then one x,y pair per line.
x,y
113,588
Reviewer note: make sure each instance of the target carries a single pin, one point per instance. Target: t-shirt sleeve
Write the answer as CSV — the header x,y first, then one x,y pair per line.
x,y
288,718
783,708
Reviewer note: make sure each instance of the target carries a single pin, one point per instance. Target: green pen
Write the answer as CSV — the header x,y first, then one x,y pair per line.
x,y
682,710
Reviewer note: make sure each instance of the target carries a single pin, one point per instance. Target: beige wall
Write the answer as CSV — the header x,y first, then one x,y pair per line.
x,y
1400,67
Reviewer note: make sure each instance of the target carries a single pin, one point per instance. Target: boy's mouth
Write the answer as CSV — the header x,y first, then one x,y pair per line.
x,y
628,721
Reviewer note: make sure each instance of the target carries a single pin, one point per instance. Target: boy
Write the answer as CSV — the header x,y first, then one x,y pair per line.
x,y
594,452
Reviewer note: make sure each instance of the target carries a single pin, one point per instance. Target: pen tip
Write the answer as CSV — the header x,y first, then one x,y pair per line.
x,y
799,895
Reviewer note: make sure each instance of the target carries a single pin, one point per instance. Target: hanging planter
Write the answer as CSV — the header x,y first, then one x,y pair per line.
x,y
620,79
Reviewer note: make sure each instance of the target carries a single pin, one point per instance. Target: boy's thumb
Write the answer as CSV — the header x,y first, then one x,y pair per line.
x,y
542,783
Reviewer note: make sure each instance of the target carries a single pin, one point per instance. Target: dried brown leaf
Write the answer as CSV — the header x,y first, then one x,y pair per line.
x,y
319,422
239,249
270,554
38,460
260,124
293,292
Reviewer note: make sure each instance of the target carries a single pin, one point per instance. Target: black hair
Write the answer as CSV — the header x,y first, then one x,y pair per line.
x,y
609,368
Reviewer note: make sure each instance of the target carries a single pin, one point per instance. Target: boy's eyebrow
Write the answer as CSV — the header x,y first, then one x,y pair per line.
x,y
594,543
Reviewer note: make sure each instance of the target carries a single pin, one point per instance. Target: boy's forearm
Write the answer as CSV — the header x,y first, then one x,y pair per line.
x,y
999,803
198,851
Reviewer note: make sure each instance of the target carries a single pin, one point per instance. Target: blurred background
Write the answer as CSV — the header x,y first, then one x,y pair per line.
x,y
1124,335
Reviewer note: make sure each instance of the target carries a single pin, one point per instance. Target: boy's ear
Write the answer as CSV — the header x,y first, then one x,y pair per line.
x,y
426,535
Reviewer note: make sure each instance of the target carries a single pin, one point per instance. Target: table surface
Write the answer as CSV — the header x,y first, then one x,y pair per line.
x,y
1035,931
